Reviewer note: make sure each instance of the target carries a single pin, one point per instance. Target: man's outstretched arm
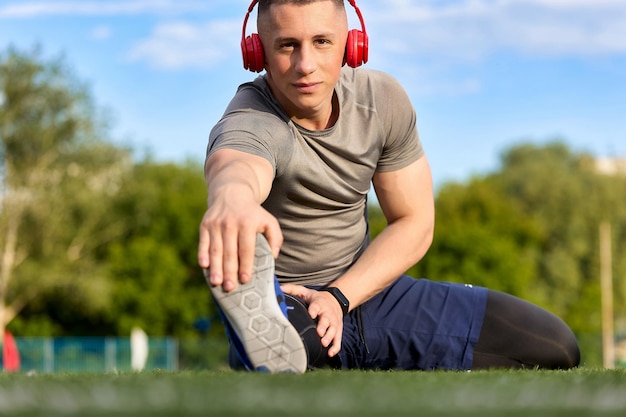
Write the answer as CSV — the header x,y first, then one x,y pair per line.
x,y
237,185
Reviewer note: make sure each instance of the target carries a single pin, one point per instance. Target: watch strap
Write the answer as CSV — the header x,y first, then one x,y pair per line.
x,y
341,299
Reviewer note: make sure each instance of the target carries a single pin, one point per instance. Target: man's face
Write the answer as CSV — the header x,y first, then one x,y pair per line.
x,y
304,47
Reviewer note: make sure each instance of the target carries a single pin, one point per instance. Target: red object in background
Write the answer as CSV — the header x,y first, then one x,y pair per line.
x,y
10,354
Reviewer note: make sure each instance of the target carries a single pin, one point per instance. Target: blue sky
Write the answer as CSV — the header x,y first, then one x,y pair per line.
x,y
483,75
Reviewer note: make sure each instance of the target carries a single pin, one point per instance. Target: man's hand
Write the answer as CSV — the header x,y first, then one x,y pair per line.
x,y
324,308
227,240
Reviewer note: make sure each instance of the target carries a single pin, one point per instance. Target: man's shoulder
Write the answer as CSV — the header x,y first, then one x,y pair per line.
x,y
253,91
365,75
369,81
255,111
255,98
367,85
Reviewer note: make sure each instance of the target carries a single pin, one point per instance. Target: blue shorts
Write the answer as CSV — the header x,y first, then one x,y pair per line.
x,y
415,324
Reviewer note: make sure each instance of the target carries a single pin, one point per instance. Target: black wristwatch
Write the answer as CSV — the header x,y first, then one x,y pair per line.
x,y
341,299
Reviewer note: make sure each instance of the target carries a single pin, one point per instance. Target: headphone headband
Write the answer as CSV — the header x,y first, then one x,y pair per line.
x,y
245,20
358,13
357,45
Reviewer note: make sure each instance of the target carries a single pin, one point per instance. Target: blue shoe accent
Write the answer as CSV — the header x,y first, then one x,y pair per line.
x,y
240,359
280,297
255,317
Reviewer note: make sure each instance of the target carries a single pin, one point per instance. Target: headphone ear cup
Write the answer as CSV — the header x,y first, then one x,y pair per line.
x,y
252,50
357,49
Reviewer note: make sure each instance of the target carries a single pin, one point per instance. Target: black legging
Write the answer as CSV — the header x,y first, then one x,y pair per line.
x,y
518,334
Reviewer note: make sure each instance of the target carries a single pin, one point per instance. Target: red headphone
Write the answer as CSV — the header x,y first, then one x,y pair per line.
x,y
252,49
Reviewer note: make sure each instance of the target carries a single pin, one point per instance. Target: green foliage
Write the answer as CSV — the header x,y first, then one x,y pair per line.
x,y
44,111
58,174
97,243
481,238
158,285
564,194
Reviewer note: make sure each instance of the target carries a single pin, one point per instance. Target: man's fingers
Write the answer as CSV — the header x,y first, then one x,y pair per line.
x,y
246,246
298,291
330,336
323,326
215,260
204,242
274,237
230,259
336,345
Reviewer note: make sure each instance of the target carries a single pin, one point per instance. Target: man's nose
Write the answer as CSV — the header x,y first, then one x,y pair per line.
x,y
306,61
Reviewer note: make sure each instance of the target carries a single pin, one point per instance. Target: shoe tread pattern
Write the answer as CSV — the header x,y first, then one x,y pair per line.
x,y
270,341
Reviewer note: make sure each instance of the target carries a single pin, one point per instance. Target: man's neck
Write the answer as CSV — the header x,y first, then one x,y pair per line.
x,y
321,121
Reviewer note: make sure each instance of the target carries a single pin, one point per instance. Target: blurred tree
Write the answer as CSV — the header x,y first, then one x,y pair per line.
x,y
565,195
482,238
57,177
158,284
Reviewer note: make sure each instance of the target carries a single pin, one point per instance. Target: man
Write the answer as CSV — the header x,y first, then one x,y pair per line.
x,y
292,159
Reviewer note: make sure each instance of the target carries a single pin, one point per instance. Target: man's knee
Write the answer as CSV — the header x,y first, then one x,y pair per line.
x,y
521,334
568,353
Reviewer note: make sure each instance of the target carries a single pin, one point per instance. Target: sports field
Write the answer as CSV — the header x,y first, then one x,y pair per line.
x,y
582,392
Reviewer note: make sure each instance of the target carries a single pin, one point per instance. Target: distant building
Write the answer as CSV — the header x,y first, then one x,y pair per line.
x,y
611,166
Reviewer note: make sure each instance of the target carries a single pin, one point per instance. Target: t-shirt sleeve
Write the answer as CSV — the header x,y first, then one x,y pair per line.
x,y
246,132
402,143
250,126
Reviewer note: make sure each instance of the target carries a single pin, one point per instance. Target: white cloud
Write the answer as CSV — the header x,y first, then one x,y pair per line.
x,y
30,9
177,45
472,29
101,32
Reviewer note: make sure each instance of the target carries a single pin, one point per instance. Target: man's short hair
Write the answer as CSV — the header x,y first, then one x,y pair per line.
x,y
265,4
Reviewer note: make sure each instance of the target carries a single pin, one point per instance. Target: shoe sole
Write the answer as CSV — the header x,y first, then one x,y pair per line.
x,y
272,344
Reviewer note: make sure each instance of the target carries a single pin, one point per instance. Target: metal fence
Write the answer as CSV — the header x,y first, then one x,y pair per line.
x,y
113,354
92,354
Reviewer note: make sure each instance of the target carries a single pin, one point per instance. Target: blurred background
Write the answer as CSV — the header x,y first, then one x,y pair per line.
x,y
105,109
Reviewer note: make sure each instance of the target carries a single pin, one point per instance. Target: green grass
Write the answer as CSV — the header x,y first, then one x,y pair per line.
x,y
582,392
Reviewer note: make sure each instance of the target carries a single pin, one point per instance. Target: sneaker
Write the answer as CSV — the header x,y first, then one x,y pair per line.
x,y
298,316
255,316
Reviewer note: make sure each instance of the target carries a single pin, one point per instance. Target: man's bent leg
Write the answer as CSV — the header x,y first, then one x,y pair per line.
x,y
519,334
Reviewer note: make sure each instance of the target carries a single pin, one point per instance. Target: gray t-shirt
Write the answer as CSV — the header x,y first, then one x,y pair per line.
x,y
322,178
